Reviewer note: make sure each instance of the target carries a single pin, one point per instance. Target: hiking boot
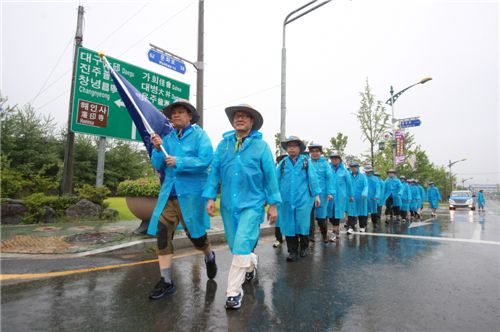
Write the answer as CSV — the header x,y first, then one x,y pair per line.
x,y
162,289
211,267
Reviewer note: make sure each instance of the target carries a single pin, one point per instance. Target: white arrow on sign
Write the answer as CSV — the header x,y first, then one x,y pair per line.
x,y
119,103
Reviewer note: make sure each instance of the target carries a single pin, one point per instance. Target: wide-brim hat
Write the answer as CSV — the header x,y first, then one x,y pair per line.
x,y
258,120
402,177
294,139
354,164
315,146
167,110
335,154
376,173
431,182
368,169
391,171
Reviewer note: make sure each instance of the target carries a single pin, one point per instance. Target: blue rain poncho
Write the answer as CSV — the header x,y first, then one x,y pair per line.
x,y
381,201
415,197
325,179
193,152
248,181
394,188
422,196
299,186
480,199
359,207
433,197
405,197
373,193
343,190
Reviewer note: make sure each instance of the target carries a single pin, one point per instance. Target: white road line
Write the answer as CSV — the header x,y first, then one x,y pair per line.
x,y
477,232
421,223
430,238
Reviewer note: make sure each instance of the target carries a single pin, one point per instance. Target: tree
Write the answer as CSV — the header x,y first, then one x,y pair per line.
x,y
338,143
373,119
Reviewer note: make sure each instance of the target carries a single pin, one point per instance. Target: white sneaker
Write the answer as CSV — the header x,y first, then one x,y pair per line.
x,y
362,230
333,238
350,231
276,244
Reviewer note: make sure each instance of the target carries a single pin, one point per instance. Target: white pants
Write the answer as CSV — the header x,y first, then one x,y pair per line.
x,y
240,265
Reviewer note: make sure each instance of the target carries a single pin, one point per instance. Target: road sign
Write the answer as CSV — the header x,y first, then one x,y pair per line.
x,y
406,123
400,147
166,61
97,106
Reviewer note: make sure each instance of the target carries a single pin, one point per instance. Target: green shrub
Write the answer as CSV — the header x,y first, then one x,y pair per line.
x,y
36,202
144,187
93,194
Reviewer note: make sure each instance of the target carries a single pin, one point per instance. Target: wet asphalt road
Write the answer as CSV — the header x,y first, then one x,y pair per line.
x,y
362,283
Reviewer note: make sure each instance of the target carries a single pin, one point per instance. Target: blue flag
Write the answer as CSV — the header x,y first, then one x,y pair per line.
x,y
155,118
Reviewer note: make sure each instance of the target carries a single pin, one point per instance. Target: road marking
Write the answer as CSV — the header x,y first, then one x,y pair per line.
x,y
421,223
431,238
477,233
28,276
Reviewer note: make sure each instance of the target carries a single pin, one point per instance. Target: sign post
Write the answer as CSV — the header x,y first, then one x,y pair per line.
x,y
97,106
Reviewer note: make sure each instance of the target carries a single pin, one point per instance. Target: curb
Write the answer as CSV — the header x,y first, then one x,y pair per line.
x,y
134,246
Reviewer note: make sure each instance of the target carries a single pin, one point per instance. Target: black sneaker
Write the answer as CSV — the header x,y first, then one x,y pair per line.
x,y
250,275
292,257
303,252
234,302
211,267
162,289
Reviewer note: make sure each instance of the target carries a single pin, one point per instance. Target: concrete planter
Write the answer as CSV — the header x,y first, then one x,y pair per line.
x,y
141,207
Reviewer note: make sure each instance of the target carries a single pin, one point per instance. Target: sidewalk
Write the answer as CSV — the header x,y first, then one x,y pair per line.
x,y
91,237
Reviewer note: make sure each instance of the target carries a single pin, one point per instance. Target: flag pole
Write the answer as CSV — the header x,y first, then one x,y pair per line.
x,y
144,121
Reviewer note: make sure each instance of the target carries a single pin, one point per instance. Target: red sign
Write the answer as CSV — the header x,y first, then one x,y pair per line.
x,y
92,114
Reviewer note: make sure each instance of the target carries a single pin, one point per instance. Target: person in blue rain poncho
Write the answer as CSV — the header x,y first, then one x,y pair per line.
x,y
358,209
380,201
405,199
373,194
422,197
300,191
415,199
343,194
480,201
433,197
185,169
326,184
392,196
243,166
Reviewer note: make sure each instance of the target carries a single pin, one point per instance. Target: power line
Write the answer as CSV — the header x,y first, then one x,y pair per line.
x,y
53,99
246,96
52,71
158,27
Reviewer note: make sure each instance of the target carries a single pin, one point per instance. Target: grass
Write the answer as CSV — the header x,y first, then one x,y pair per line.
x,y
120,205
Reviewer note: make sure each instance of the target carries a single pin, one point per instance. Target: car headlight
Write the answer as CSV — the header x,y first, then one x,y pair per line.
x,y
452,201
469,201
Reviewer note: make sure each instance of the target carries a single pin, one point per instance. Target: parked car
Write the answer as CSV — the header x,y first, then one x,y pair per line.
x,y
462,199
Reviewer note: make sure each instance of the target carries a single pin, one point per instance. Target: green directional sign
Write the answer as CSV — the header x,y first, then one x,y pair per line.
x,y
97,106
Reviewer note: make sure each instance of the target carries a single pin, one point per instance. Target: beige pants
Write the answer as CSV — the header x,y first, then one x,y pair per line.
x,y
240,265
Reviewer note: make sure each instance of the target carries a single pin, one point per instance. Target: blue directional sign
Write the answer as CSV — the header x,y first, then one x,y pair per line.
x,y
166,61
410,123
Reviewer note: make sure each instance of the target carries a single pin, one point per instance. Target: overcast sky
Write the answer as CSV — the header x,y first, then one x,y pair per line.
x,y
331,52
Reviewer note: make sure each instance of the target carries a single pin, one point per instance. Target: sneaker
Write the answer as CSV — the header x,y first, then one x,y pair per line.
x,y
211,267
325,238
350,231
234,302
362,229
162,289
276,244
404,220
303,252
292,257
250,275
333,238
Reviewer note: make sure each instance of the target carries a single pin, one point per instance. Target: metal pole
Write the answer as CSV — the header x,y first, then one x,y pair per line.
x,y
101,155
393,145
283,92
67,181
199,75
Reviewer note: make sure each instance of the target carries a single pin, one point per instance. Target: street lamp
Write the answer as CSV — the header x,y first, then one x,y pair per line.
x,y
463,181
391,102
451,177
290,19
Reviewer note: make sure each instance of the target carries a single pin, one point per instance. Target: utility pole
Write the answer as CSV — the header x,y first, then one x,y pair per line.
x,y
101,155
67,181
199,76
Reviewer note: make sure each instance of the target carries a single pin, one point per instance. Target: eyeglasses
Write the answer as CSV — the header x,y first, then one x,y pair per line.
x,y
242,116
